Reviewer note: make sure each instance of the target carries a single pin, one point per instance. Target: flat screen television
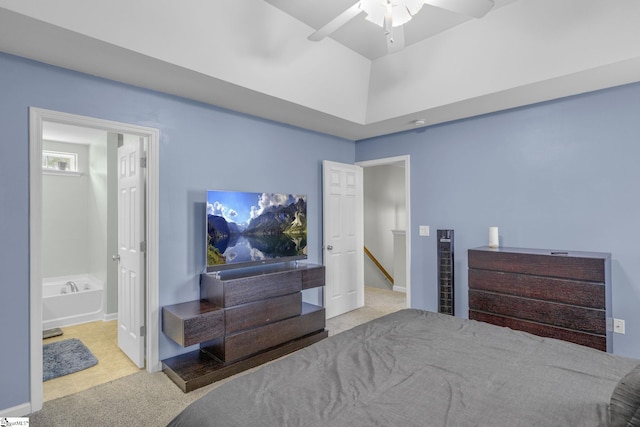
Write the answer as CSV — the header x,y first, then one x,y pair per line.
x,y
246,229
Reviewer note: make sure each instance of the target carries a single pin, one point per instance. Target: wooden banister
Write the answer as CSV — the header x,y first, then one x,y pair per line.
x,y
380,267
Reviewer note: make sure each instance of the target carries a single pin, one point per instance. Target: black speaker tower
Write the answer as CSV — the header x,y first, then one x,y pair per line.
x,y
445,272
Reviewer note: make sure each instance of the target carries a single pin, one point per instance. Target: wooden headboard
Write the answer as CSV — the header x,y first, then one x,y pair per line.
x,y
557,294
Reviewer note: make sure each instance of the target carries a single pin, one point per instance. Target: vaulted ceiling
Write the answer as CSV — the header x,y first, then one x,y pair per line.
x,y
253,56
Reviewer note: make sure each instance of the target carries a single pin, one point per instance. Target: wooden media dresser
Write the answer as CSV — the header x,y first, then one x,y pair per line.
x,y
244,318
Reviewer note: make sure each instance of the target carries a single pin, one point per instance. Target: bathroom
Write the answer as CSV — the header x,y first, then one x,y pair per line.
x,y
79,241
79,217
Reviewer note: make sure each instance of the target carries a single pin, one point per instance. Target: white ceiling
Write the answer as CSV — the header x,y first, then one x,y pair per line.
x,y
258,61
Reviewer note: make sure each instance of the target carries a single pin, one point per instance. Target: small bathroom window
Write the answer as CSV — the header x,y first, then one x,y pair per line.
x,y
59,161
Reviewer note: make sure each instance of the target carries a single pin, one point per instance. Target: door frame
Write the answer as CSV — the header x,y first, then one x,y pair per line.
x,y
407,190
36,118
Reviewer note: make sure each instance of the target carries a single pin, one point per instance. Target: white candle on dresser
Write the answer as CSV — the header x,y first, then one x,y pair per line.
x,y
493,237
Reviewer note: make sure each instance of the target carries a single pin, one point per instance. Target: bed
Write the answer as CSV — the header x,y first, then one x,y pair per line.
x,y
418,368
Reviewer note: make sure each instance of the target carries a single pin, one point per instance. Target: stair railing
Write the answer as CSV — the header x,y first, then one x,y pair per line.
x,y
377,264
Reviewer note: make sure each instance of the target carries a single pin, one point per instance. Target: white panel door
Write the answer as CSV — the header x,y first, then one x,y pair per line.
x,y
343,237
131,280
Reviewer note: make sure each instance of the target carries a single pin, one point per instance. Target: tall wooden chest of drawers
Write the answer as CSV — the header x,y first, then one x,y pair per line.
x,y
557,294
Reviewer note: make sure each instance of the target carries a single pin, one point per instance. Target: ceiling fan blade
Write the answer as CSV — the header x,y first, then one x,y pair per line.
x,y
395,39
337,22
475,8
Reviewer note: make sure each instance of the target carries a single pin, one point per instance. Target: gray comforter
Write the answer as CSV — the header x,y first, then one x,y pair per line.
x,y
417,368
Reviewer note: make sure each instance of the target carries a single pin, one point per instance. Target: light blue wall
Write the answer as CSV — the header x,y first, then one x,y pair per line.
x,y
558,175
201,147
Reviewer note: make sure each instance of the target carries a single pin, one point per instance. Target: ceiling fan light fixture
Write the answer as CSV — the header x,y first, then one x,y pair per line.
x,y
395,13
401,10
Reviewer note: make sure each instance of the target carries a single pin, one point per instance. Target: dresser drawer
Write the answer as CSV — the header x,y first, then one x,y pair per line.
x,y
584,294
583,338
260,313
245,343
312,276
192,322
228,292
568,265
551,313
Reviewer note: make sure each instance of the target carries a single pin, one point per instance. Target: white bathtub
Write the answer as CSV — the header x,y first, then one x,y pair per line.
x,y
62,307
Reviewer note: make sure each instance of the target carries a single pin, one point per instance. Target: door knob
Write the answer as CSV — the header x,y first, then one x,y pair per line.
x,y
115,257
329,247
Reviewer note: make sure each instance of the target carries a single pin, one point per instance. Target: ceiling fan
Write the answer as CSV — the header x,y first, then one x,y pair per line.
x,y
393,14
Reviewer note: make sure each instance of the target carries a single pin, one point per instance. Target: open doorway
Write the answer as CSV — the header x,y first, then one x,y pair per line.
x,y
79,237
91,223
386,237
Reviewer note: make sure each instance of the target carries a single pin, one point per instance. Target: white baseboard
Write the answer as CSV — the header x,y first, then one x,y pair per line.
x,y
400,289
109,317
17,411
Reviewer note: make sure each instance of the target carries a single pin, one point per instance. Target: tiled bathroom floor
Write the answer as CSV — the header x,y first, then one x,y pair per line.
x,y
101,338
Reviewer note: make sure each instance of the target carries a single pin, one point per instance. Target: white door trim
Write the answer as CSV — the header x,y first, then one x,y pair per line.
x,y
36,117
407,190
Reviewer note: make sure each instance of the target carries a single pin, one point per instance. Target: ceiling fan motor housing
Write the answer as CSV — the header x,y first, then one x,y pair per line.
x,y
399,12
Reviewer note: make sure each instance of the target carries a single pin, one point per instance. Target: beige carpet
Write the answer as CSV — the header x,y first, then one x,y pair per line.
x,y
149,400
377,303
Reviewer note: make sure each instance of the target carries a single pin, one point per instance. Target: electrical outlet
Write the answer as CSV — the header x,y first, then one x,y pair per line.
x,y
618,326
424,230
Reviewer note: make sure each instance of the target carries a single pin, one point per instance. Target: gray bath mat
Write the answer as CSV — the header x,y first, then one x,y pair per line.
x,y
65,357
50,333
